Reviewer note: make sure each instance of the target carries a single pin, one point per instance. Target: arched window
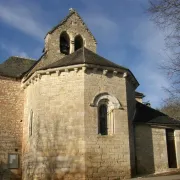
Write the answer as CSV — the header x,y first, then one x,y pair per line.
x,y
64,43
102,128
106,104
78,42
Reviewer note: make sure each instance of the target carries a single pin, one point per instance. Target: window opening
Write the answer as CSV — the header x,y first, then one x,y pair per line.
x,y
78,42
103,120
64,43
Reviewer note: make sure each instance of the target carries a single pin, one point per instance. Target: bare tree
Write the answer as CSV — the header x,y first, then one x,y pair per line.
x,y
171,107
166,15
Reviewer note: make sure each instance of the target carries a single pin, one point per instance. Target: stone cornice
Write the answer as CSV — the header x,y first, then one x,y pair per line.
x,y
84,67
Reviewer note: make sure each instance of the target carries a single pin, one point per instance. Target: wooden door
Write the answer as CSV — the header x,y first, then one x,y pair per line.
x,y
171,148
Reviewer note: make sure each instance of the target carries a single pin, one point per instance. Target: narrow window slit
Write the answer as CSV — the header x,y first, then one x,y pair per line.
x,y
103,119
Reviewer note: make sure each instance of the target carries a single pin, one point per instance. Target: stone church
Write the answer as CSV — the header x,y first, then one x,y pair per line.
x,y
75,115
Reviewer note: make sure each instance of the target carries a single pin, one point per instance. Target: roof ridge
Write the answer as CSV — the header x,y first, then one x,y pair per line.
x,y
23,58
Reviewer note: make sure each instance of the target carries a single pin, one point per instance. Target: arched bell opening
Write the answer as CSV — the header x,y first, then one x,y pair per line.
x,y
64,43
78,42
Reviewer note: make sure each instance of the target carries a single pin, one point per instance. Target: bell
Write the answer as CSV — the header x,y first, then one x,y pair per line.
x,y
64,49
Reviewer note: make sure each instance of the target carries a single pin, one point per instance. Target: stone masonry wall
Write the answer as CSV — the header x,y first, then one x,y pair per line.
x,y
160,149
73,26
11,116
131,106
56,147
108,156
151,150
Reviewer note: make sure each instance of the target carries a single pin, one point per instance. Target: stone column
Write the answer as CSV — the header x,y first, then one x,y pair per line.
x,y
177,144
71,46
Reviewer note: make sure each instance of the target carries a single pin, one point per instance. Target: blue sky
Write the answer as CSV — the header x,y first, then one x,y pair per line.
x,y
123,30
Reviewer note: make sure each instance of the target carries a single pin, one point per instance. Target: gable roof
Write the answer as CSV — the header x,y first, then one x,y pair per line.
x,y
148,115
16,66
71,12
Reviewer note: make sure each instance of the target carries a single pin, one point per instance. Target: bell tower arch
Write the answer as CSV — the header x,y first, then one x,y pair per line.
x,y
78,42
64,43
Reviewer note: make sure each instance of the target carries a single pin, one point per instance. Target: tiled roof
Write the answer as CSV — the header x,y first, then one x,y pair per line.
x,y
83,56
148,115
16,66
164,120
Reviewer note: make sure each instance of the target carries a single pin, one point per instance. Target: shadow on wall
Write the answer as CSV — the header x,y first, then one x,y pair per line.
x,y
6,174
53,159
51,155
144,150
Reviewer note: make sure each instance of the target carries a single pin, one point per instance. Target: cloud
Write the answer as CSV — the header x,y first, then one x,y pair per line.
x,y
12,50
102,26
151,45
22,18
124,34
132,40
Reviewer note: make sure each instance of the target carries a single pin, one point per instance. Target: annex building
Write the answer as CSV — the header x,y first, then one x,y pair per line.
x,y
74,115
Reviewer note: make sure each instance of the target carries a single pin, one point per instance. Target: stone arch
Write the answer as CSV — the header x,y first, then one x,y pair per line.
x,y
64,43
113,102
78,42
106,125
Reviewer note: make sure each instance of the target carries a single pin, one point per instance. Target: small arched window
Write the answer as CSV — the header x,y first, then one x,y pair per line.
x,y
102,120
78,42
64,43
106,104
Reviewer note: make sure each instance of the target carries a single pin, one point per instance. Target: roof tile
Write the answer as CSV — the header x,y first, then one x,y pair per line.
x,y
148,115
16,66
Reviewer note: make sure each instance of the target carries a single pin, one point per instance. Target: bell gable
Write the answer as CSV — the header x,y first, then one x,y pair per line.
x,y
68,36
